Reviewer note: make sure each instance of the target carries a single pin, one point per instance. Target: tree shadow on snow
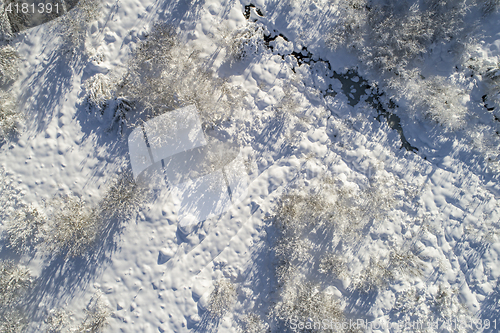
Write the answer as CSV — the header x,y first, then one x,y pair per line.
x,y
62,278
46,88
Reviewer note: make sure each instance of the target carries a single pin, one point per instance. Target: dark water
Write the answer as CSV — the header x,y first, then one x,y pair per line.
x,y
353,85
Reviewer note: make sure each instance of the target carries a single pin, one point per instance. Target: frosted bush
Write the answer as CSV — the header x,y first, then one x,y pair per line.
x,y
240,43
252,323
100,97
435,98
164,75
333,264
97,315
407,263
222,298
492,76
5,28
448,304
99,90
123,198
293,248
285,270
349,29
73,25
445,103
390,35
373,277
9,117
303,301
15,281
72,226
57,321
8,64
23,229
298,211
13,321
490,6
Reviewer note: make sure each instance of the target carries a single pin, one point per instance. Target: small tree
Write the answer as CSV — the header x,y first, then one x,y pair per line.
x,y
123,198
8,64
23,229
97,315
9,117
56,321
13,321
164,75
221,298
72,227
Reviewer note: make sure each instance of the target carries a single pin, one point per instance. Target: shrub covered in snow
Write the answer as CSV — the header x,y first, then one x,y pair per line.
x,y
239,44
23,229
72,226
15,281
99,90
390,35
164,75
303,301
9,116
73,25
13,321
334,264
436,98
57,321
5,28
252,323
393,37
374,276
97,315
222,298
8,64
123,198
100,97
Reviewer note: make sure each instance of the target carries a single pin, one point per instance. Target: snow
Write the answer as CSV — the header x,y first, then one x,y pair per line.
x,y
163,264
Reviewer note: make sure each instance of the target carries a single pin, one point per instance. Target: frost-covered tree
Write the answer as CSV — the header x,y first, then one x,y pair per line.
x,y
222,298
390,35
23,229
100,98
9,116
123,198
252,323
334,264
165,74
9,70
72,226
303,301
97,315
5,28
393,38
436,98
15,281
374,276
13,321
57,321
73,25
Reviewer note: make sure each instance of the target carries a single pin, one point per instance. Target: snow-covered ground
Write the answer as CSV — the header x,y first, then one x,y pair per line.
x,y
381,233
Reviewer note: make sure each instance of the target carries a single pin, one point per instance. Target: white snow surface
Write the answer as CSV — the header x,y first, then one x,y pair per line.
x,y
158,279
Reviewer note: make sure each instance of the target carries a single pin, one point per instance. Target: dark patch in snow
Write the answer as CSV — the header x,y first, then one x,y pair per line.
x,y
248,9
353,85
